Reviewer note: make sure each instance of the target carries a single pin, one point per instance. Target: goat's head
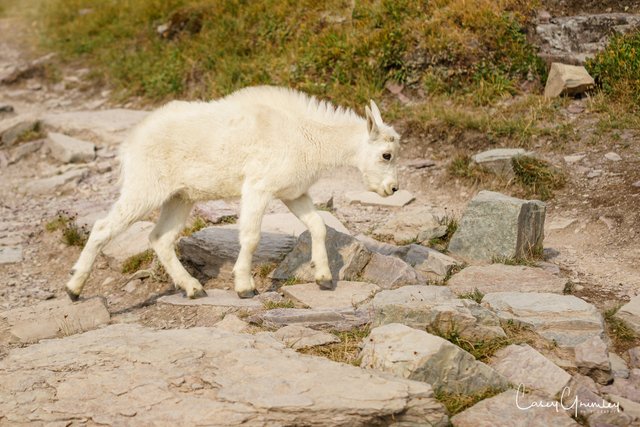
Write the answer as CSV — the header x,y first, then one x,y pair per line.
x,y
378,157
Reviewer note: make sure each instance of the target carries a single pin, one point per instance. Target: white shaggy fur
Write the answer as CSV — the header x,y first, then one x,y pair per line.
x,y
258,143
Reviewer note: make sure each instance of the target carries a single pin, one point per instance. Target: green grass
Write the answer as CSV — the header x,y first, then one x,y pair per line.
x,y
138,261
475,295
530,261
618,329
617,69
343,50
265,269
536,177
31,134
441,243
198,224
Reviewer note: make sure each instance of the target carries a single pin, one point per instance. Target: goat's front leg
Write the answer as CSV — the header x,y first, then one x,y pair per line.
x,y
252,207
303,208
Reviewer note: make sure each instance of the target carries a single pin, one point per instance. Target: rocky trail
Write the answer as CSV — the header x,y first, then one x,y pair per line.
x,y
408,324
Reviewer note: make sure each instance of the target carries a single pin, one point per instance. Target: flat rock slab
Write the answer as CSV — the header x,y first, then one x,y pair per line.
x,y
505,278
435,309
215,297
57,183
521,364
50,319
109,126
133,241
10,255
213,251
70,150
495,225
398,199
502,411
130,375
215,211
592,359
298,337
630,313
345,294
347,258
288,223
321,318
417,355
232,323
13,127
565,319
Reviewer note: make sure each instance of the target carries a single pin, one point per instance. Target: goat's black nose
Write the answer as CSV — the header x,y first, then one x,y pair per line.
x,y
394,189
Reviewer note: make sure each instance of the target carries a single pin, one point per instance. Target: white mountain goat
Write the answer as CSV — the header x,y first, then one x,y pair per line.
x,y
258,143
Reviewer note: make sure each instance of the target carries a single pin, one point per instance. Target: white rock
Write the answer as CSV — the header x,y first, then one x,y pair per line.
x,y
63,182
10,255
70,150
398,199
568,80
521,364
420,224
345,294
619,367
614,157
298,337
574,158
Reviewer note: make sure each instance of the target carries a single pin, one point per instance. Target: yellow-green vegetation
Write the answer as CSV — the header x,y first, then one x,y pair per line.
x,y
341,49
72,234
537,177
293,280
531,261
442,242
475,295
270,305
265,269
623,336
346,351
228,219
455,402
483,349
138,261
198,224
617,69
31,134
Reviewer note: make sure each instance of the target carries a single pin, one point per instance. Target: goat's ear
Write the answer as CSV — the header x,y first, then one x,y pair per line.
x,y
376,113
372,126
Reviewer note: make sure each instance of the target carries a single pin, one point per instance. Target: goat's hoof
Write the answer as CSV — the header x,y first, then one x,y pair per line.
x,y
72,295
250,293
324,284
198,293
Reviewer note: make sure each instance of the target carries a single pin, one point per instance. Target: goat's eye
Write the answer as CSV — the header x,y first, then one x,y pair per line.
x,y
386,156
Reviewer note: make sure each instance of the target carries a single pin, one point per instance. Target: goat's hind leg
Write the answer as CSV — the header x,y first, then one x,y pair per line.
x,y
174,214
123,213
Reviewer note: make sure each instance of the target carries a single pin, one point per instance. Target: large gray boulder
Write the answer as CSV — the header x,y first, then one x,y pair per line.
x,y
522,364
503,410
495,225
409,353
212,252
505,278
130,375
565,319
435,309
70,150
574,39
347,258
